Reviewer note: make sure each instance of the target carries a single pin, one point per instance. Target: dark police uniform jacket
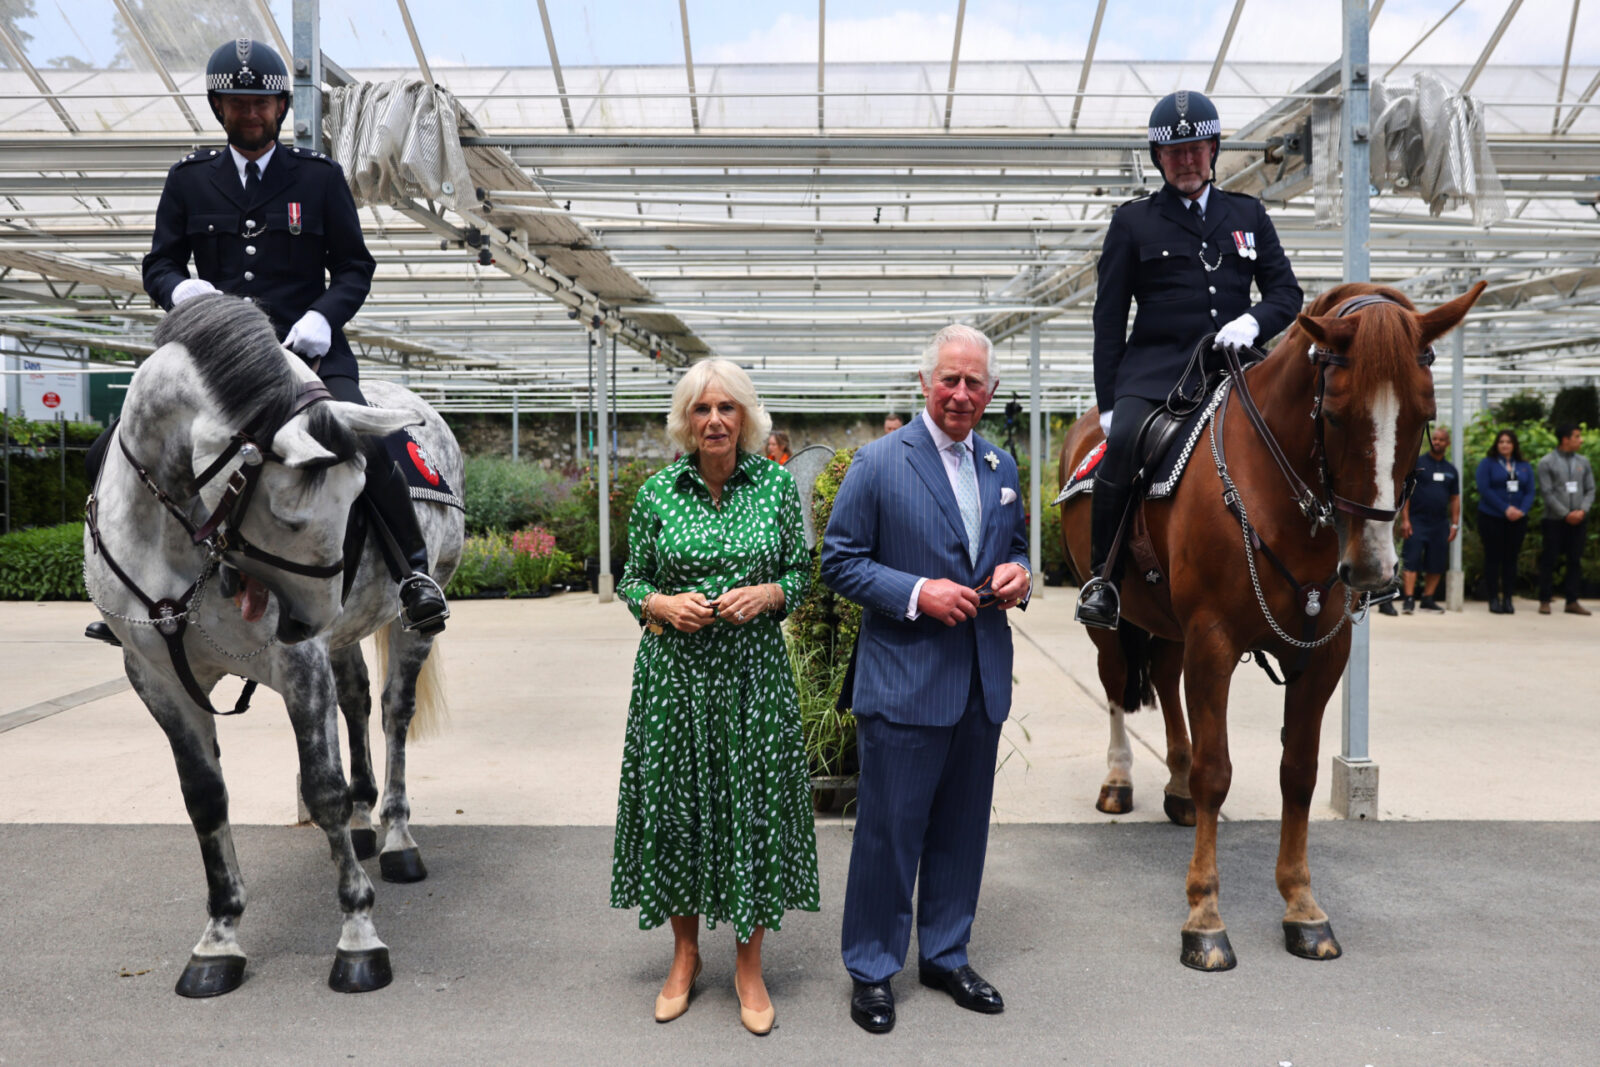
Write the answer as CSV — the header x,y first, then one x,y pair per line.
x,y
1157,252
294,247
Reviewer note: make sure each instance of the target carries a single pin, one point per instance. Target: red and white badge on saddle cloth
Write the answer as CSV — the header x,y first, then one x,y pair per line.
x,y
294,219
1245,242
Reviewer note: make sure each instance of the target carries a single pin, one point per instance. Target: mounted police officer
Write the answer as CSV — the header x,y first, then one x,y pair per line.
x,y
277,224
1187,254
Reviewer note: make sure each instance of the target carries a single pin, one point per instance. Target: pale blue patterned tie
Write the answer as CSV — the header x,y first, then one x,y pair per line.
x,y
967,497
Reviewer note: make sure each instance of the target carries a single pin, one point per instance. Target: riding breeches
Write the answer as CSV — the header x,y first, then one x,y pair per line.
x,y
1118,466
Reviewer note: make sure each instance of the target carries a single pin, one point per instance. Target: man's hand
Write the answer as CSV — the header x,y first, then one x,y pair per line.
x,y
1455,528
1010,585
1405,527
311,337
949,602
190,288
1513,513
687,612
1240,333
1105,423
1574,517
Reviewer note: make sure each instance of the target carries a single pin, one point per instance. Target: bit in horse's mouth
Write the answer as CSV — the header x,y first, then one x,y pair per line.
x,y
252,599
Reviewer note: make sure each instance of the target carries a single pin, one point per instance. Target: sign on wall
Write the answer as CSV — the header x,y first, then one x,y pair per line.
x,y
48,394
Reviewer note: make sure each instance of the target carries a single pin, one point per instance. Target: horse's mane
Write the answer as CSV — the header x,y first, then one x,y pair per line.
x,y
234,350
1387,339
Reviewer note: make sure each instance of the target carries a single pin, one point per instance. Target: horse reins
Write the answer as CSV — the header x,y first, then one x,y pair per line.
x,y
220,533
1319,508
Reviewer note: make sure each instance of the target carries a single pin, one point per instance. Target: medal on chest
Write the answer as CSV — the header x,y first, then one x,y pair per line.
x,y
294,219
1244,242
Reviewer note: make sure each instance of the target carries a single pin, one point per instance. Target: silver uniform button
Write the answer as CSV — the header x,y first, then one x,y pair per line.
x,y
211,228
250,276
1202,244
250,223
1209,289
250,250
1213,310
1163,251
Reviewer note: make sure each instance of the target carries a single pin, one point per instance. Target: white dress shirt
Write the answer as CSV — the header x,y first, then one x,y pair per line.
x,y
239,162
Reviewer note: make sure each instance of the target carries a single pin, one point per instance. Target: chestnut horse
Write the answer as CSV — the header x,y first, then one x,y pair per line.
x,y
1346,396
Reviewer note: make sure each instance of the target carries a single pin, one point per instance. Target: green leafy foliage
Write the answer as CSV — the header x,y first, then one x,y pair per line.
x,y
503,494
518,563
44,563
1577,404
1519,408
38,495
576,522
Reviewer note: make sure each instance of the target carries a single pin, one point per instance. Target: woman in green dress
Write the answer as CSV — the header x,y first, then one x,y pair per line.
x,y
714,811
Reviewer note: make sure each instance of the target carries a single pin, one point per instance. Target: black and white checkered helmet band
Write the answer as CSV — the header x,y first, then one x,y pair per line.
x,y
249,81
1186,131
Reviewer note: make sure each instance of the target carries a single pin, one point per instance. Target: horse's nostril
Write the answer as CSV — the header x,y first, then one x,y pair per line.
x,y
1344,572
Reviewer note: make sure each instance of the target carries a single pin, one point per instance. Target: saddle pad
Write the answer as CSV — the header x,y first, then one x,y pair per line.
x,y
1168,472
422,475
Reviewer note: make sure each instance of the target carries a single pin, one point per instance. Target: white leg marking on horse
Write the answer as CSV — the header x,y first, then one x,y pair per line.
x,y
358,933
220,939
1119,755
1379,538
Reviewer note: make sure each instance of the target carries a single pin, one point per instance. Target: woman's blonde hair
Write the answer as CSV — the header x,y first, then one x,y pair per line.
x,y
756,423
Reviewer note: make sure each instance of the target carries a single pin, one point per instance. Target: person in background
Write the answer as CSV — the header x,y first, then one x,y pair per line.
x,y
891,423
1429,521
778,447
1505,496
714,812
1566,485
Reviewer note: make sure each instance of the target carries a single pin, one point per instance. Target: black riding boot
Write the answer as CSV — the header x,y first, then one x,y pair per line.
x,y
1098,602
422,603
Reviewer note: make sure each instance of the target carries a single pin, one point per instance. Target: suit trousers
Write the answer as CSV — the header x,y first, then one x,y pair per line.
x,y
1562,540
1502,544
924,800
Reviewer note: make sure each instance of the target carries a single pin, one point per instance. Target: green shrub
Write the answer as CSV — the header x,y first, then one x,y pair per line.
x,y
1577,404
503,494
38,497
45,563
576,523
517,563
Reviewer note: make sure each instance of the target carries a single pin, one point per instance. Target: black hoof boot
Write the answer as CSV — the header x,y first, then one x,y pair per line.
x,y
99,631
1115,799
1180,810
365,842
1208,951
402,865
210,976
360,971
1311,941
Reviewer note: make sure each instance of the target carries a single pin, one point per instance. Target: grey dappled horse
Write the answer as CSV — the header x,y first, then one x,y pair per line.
x,y
221,403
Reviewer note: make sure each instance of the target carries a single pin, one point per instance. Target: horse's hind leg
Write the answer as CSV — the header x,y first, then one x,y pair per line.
x,y
1207,668
401,859
1166,672
1306,930
216,965
362,961
355,700
1116,792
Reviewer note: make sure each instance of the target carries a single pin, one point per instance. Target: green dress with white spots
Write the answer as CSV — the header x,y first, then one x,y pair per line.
x,y
714,812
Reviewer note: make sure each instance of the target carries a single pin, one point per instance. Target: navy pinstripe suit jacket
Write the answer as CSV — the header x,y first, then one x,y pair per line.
x,y
895,520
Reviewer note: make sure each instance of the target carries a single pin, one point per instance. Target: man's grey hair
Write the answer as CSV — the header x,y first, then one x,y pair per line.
x,y
957,333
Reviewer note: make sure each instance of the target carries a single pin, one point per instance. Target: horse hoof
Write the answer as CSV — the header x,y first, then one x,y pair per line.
x,y
1208,951
1180,810
360,971
402,865
1311,941
210,976
1115,799
365,842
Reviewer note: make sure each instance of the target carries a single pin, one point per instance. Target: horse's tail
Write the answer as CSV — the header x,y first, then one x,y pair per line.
x,y
1137,688
430,708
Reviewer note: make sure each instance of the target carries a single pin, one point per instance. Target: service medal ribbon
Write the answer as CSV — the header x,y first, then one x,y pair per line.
x,y
1250,239
1239,242
294,218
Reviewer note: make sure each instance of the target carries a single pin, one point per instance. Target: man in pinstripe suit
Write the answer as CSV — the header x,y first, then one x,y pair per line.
x,y
927,535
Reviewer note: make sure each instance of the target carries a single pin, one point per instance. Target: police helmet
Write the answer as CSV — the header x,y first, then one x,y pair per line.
x,y
244,67
1182,117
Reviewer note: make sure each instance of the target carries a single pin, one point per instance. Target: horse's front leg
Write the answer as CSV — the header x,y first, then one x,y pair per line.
x,y
1116,791
1207,668
362,961
1306,930
1166,675
355,700
401,859
216,965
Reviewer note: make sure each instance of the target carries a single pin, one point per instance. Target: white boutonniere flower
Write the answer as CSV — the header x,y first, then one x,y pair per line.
x,y
992,460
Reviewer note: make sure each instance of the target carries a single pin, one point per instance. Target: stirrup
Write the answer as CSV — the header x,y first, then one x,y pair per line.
x,y
430,624
1090,587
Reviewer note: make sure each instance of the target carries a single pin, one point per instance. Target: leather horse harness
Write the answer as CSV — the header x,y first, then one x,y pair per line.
x,y
1317,507
221,533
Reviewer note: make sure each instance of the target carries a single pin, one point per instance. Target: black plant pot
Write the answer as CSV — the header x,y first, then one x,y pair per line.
x,y
591,571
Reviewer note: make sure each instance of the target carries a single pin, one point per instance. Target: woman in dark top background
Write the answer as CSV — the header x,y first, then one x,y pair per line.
x,y
1505,495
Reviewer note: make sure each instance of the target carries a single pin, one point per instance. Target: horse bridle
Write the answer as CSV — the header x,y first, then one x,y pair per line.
x,y
221,533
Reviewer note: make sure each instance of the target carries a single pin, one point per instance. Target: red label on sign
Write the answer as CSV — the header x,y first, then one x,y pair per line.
x,y
52,400
420,458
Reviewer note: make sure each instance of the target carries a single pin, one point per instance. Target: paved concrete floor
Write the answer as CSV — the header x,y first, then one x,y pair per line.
x,y
1465,940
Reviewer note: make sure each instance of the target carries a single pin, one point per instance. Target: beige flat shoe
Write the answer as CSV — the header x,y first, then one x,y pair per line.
x,y
669,1008
757,1022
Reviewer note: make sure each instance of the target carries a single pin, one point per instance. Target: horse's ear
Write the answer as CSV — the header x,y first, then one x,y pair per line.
x,y
297,447
1444,318
1329,331
377,421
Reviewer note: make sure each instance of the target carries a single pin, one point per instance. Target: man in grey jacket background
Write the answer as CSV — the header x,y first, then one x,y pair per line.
x,y
1566,485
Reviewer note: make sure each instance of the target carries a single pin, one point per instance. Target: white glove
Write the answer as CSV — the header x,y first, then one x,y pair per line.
x,y
191,287
1240,333
1105,423
311,337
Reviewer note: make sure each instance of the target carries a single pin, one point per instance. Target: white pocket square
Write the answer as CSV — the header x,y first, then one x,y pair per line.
x,y
1007,495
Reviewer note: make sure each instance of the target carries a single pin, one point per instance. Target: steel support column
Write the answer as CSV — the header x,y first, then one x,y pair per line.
x,y
603,467
1355,775
1035,458
1455,588
308,74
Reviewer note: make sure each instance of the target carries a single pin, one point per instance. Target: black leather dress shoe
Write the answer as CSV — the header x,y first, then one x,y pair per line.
x,y
965,986
99,631
872,1007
